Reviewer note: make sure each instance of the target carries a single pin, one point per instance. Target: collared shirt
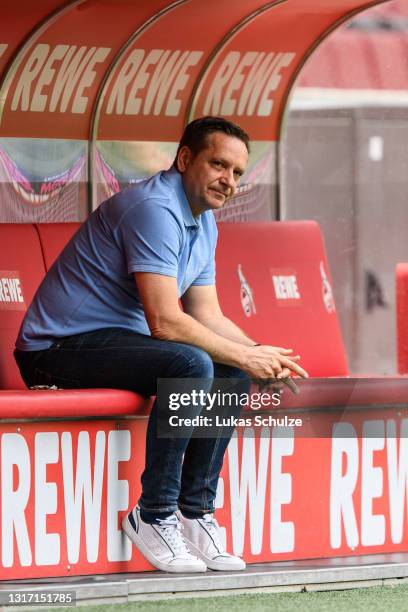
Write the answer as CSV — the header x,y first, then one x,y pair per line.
x,y
146,228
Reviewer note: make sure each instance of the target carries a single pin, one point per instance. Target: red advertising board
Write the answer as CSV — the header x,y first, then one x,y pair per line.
x,y
249,79
150,89
335,484
146,70
58,77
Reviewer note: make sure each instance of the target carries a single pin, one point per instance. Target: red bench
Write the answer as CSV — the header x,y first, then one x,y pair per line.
x,y
26,253
273,280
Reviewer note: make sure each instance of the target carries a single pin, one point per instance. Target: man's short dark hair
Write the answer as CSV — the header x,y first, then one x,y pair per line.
x,y
196,133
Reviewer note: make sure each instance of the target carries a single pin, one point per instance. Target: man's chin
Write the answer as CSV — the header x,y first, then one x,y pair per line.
x,y
216,202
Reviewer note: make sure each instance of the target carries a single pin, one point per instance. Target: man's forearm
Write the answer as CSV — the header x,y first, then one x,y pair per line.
x,y
227,329
228,345
261,362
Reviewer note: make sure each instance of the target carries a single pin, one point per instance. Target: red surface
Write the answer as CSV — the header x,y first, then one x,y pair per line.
x,y
352,59
60,477
71,403
332,392
290,494
52,88
402,317
20,257
53,237
281,249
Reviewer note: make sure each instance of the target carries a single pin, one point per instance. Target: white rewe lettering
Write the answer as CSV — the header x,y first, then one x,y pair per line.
x,y
79,494
10,290
51,76
244,83
149,82
343,484
134,101
39,100
286,287
219,503
282,532
397,478
248,484
80,102
117,98
118,547
180,82
372,525
47,545
5,285
22,94
14,499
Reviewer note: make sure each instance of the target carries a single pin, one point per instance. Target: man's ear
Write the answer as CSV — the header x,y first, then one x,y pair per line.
x,y
183,158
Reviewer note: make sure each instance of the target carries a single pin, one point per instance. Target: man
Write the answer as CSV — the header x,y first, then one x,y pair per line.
x,y
107,315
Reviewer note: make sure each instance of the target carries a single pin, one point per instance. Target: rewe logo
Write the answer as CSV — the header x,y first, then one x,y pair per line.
x,y
286,287
11,295
247,299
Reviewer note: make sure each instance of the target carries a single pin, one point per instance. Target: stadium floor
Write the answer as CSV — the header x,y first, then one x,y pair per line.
x,y
311,584
372,599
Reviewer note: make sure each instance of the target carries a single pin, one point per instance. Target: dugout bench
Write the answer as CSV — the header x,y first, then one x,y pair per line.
x,y
70,460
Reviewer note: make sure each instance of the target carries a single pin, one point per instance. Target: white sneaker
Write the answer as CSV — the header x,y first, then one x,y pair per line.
x,y
161,543
203,538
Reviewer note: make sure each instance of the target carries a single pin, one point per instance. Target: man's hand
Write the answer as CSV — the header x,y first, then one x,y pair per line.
x,y
166,321
267,363
274,385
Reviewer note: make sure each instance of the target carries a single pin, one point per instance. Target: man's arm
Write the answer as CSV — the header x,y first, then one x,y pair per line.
x,y
167,321
201,302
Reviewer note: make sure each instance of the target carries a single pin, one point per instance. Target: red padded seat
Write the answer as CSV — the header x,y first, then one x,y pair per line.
x,y
26,252
71,403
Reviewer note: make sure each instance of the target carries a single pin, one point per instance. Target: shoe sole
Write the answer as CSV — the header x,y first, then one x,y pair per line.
x,y
164,567
213,564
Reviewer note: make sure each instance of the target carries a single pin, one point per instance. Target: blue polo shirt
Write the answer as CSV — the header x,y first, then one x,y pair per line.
x,y
146,228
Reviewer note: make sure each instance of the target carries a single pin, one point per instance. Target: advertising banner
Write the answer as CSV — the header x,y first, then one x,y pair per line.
x,y
297,484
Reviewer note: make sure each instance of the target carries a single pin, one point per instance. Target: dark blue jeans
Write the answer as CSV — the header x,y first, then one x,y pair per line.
x,y
179,472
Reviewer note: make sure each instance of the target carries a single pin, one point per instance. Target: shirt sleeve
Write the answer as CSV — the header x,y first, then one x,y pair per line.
x,y
151,237
207,274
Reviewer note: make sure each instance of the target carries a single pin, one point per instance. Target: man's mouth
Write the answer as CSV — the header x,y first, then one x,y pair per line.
x,y
219,194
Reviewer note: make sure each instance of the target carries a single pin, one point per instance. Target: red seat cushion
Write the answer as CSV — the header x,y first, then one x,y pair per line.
x,y
71,403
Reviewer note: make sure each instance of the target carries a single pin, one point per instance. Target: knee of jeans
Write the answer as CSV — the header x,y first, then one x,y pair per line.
x,y
226,371
198,364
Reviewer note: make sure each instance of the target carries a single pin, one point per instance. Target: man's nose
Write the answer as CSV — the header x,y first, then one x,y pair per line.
x,y
227,178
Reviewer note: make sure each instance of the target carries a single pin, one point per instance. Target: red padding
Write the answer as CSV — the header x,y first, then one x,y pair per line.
x,y
344,392
402,317
252,259
21,261
53,239
71,403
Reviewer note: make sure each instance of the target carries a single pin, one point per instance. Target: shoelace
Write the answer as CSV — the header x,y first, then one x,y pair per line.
x,y
171,530
213,527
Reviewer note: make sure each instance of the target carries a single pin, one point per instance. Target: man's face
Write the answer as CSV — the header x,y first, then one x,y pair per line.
x,y
211,177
